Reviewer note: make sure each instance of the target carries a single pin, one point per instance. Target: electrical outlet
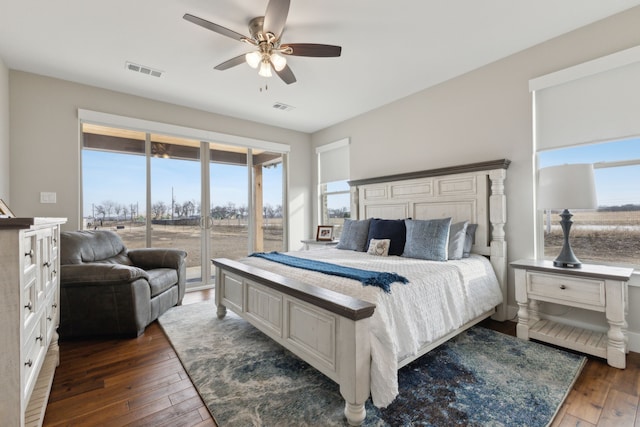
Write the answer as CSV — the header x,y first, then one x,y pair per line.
x,y
47,197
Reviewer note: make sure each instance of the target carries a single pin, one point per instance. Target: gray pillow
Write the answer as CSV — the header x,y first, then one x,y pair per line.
x,y
469,240
457,237
354,235
427,239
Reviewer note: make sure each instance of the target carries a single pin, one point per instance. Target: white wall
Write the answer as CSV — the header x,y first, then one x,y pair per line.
x,y
45,141
4,133
483,115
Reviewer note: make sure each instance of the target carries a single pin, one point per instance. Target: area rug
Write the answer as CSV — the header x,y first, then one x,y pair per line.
x,y
479,378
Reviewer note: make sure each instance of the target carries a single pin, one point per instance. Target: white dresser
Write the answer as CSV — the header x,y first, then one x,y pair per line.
x,y
29,298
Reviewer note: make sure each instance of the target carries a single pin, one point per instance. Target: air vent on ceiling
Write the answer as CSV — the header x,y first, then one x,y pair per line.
x,y
143,69
282,107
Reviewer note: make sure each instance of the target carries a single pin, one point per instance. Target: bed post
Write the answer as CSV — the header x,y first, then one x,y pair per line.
x,y
355,205
498,218
354,366
221,311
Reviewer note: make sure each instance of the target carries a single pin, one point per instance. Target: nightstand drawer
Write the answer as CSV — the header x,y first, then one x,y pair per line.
x,y
578,292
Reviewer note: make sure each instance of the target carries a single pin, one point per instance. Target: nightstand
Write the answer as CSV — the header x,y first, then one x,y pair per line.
x,y
593,287
308,243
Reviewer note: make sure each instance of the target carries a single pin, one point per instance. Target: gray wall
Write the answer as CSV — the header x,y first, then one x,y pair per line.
x,y
45,141
4,132
483,115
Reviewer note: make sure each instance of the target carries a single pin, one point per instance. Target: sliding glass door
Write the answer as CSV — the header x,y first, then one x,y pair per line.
x,y
175,176
211,199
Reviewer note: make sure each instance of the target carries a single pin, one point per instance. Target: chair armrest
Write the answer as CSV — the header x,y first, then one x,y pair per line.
x,y
96,273
150,258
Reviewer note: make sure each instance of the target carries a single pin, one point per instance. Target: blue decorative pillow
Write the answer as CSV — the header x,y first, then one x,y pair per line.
x,y
392,229
457,237
427,239
354,235
469,240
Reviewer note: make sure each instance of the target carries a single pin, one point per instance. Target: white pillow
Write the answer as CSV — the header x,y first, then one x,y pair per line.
x,y
379,247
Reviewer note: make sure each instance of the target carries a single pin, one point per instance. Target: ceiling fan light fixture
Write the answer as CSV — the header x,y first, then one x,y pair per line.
x,y
253,59
278,61
265,69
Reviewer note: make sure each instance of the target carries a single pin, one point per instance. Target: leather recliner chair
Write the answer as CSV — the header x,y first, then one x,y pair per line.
x,y
106,289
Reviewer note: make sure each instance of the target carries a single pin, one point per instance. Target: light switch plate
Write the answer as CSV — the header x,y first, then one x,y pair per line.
x,y
47,197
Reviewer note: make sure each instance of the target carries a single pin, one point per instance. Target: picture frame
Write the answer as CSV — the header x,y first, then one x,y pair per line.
x,y
324,233
5,212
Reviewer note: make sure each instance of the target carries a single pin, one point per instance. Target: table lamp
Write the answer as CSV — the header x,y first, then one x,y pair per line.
x,y
567,187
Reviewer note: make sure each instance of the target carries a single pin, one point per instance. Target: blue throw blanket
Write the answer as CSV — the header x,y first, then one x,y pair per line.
x,y
366,277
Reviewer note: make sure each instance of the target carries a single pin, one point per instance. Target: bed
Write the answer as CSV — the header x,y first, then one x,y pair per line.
x,y
346,330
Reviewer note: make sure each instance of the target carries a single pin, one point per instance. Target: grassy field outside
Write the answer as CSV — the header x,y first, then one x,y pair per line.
x,y
612,237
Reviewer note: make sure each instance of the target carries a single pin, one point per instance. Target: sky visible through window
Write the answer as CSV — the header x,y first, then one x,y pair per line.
x,y
121,178
614,186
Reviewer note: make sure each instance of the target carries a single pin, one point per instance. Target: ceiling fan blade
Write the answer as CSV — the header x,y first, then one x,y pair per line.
x,y
214,27
312,49
276,16
230,63
286,75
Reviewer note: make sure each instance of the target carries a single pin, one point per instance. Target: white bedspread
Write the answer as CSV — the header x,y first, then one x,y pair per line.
x,y
441,297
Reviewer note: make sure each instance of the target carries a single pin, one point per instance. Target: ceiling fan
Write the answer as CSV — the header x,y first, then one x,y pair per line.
x,y
270,53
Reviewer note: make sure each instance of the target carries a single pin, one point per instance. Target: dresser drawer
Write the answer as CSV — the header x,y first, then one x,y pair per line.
x,y
51,316
28,251
33,355
578,292
29,303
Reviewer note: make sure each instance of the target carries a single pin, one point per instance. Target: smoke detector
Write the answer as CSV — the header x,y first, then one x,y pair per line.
x,y
143,69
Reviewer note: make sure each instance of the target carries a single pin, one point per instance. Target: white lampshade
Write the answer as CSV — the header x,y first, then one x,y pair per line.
x,y
278,61
265,69
253,59
567,187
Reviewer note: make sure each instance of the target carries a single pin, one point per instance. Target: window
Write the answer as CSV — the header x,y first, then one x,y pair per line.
x,y
212,199
588,113
333,190
335,202
611,233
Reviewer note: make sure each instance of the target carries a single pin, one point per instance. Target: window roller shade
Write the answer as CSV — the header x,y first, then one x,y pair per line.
x,y
334,163
597,107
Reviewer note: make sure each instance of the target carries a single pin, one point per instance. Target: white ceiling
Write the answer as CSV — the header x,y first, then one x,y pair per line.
x,y
390,49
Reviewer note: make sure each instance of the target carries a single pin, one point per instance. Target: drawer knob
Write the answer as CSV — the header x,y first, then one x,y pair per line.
x,y
46,264
28,306
54,305
39,338
28,363
563,287
49,318
29,254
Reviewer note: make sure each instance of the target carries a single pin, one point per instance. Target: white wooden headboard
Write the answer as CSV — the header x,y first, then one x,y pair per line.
x,y
473,192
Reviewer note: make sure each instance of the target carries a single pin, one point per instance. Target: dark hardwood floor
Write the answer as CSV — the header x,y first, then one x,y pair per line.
x,y
140,382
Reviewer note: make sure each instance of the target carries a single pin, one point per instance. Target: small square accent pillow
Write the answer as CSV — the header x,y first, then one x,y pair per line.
x,y
379,247
427,239
457,237
354,235
469,240
392,229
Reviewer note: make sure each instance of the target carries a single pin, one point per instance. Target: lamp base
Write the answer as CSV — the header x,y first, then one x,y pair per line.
x,y
565,264
567,258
